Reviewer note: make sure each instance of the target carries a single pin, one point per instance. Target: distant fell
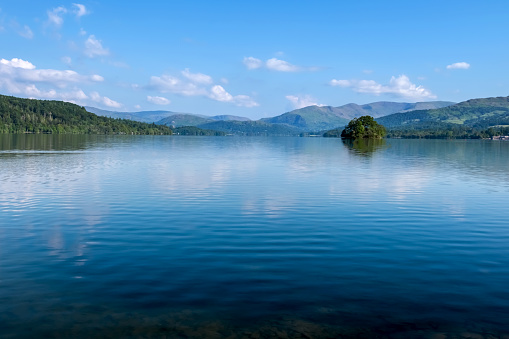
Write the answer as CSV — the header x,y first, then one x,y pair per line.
x,y
229,118
311,118
142,116
481,113
181,119
319,118
185,119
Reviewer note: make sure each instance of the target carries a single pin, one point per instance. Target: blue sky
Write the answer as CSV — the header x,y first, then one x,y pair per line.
x,y
254,59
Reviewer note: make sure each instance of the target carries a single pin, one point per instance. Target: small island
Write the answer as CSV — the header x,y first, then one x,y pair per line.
x,y
364,127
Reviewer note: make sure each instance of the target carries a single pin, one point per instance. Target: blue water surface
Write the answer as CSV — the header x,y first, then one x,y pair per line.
x,y
164,236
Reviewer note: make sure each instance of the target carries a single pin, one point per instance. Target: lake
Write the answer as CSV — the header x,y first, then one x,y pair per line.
x,y
229,237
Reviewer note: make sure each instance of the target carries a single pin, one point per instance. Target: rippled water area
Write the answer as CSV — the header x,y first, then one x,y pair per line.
x,y
229,237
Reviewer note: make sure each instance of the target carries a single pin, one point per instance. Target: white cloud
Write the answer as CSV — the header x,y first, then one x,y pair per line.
x,y
26,32
83,32
111,103
398,86
80,10
218,93
94,47
199,78
55,16
32,91
281,66
275,64
158,100
23,71
197,84
303,101
341,83
17,63
19,76
459,65
104,100
74,96
252,63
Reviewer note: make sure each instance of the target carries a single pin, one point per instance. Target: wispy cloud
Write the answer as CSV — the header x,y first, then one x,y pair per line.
x,y
252,63
55,16
80,10
66,60
26,32
94,47
459,65
398,86
171,84
158,100
281,66
302,101
275,64
198,78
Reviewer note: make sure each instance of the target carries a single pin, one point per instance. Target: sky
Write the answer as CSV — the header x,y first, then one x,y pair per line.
x,y
254,59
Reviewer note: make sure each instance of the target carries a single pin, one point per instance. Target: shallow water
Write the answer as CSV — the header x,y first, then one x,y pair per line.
x,y
252,237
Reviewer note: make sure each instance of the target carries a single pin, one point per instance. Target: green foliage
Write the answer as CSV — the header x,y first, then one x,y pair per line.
x,y
19,115
364,127
193,130
333,133
432,130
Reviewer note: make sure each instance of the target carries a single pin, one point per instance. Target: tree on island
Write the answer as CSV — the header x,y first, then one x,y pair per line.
x,y
364,127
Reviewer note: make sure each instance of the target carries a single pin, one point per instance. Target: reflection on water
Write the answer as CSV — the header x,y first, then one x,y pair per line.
x,y
149,236
364,147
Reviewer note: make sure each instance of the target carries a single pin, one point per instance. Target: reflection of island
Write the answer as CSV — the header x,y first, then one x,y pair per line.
x,y
364,147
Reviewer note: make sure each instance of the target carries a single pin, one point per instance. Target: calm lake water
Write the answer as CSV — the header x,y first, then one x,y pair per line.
x,y
215,237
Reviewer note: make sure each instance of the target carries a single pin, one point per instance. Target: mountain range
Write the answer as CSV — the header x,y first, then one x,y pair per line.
x,y
475,118
311,118
175,119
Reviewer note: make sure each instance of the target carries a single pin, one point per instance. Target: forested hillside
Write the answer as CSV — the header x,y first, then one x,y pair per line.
x,y
19,115
475,118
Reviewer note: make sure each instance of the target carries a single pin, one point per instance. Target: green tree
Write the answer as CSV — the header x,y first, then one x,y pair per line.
x,y
364,127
